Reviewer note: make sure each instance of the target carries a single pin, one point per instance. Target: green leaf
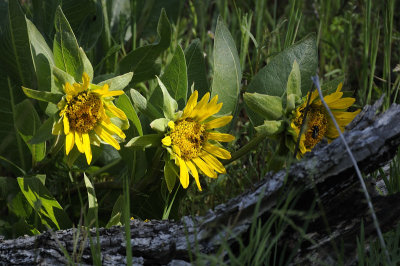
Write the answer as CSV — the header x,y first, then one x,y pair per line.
x,y
124,103
170,175
27,122
169,104
68,56
145,141
43,15
270,127
293,88
44,132
159,124
15,51
175,76
91,216
143,61
272,79
268,107
227,72
119,82
142,105
116,212
43,95
196,67
46,206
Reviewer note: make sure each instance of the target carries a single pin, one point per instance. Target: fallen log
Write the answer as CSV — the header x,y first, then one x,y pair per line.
x,y
326,172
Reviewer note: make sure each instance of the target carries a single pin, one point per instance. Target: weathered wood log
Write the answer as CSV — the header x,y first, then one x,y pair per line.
x,y
326,171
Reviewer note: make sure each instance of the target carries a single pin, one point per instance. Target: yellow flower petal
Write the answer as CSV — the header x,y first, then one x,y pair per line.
x,y
87,148
69,142
200,105
171,125
86,81
204,167
116,111
166,141
66,124
223,137
190,104
342,103
113,129
184,174
194,173
79,142
105,136
217,151
212,162
218,122
69,89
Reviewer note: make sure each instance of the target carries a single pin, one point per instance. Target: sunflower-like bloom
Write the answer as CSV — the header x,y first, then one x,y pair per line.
x,y
319,124
85,113
192,141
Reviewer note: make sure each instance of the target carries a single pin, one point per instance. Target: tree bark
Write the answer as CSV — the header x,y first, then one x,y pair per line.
x,y
326,173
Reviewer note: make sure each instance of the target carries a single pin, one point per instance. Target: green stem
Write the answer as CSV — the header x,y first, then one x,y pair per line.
x,y
252,144
106,167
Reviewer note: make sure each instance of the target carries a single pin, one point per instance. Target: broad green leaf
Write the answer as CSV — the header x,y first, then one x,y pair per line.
x,y
170,175
143,61
68,56
27,122
43,95
159,124
86,20
145,141
91,216
15,51
227,72
20,206
270,127
293,87
46,206
196,68
38,43
124,103
44,132
142,105
175,76
169,104
272,79
119,82
268,107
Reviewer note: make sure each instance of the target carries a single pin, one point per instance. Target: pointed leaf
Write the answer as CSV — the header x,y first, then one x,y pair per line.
x,y
227,71
118,82
293,87
145,141
268,107
28,123
270,127
46,206
92,200
43,95
196,67
124,103
170,175
169,104
175,76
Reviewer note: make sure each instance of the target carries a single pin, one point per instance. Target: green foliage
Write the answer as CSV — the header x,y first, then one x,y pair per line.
x,y
227,74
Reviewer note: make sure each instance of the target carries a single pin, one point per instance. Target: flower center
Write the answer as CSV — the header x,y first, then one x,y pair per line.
x,y
316,126
83,112
189,136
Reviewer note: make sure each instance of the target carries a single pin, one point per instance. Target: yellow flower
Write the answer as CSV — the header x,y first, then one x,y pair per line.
x,y
193,143
319,124
85,115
